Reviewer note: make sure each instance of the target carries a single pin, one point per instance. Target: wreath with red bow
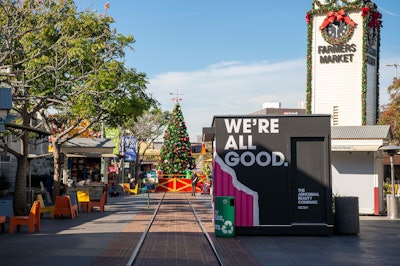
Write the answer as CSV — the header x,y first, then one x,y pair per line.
x,y
337,17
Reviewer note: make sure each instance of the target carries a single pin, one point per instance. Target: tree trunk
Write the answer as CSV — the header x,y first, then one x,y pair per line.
x,y
57,170
19,199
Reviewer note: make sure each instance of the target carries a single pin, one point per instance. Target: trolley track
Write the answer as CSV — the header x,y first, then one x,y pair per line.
x,y
176,235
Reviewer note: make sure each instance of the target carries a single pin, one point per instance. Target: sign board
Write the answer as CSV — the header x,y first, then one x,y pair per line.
x,y
278,170
129,147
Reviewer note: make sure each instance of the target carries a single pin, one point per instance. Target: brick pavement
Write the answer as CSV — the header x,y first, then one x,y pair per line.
x,y
108,238
231,251
175,237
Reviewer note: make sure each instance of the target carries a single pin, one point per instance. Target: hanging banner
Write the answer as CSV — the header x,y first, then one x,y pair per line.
x,y
130,148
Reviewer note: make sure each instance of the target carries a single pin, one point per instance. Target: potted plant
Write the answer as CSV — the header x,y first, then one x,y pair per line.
x,y
4,186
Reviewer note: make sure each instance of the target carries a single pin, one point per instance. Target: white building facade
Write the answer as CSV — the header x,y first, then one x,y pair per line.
x,y
357,165
342,80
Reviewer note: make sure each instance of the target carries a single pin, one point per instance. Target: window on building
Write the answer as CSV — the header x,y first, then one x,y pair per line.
x,y
335,115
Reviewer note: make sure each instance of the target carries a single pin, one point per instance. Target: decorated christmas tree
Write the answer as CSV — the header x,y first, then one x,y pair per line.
x,y
176,154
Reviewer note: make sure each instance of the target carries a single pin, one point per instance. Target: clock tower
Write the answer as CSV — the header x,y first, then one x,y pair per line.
x,y
343,61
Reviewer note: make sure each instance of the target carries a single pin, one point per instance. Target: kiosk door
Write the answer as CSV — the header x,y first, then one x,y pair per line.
x,y
309,183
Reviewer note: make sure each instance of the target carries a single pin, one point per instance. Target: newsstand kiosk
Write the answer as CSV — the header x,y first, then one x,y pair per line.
x,y
276,170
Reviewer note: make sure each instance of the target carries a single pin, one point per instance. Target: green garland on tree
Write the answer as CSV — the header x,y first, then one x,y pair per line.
x,y
176,154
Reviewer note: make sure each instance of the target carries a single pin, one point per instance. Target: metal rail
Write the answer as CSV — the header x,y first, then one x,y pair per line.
x,y
206,234
144,234
139,245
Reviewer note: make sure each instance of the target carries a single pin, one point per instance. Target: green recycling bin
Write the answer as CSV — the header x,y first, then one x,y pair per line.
x,y
224,216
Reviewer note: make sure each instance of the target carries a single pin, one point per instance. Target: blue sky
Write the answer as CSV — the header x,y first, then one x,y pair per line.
x,y
228,57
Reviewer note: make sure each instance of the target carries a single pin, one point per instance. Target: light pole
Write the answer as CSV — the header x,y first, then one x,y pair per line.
x,y
122,157
395,68
392,202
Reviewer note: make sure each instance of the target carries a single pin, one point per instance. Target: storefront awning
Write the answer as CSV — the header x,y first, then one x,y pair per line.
x,y
75,155
109,155
91,155
88,147
355,147
151,152
208,134
359,138
37,156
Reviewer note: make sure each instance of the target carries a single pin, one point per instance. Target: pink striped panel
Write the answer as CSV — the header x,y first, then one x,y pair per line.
x,y
223,186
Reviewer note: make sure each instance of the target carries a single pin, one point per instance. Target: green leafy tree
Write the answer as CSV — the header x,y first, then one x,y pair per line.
x,y
390,114
147,128
56,58
176,155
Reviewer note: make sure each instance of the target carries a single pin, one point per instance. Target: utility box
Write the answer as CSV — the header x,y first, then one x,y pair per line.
x,y
278,169
347,219
224,216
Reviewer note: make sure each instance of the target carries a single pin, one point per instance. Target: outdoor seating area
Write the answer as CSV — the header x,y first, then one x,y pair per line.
x,y
69,205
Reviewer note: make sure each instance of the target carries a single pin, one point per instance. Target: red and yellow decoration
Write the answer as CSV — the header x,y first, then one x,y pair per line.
x,y
340,15
179,184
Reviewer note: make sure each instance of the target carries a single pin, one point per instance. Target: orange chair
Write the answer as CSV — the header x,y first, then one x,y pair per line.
x,y
98,203
63,206
3,223
128,190
74,201
44,208
32,220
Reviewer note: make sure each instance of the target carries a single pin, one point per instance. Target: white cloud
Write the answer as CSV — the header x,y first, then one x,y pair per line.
x,y
235,88
230,88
